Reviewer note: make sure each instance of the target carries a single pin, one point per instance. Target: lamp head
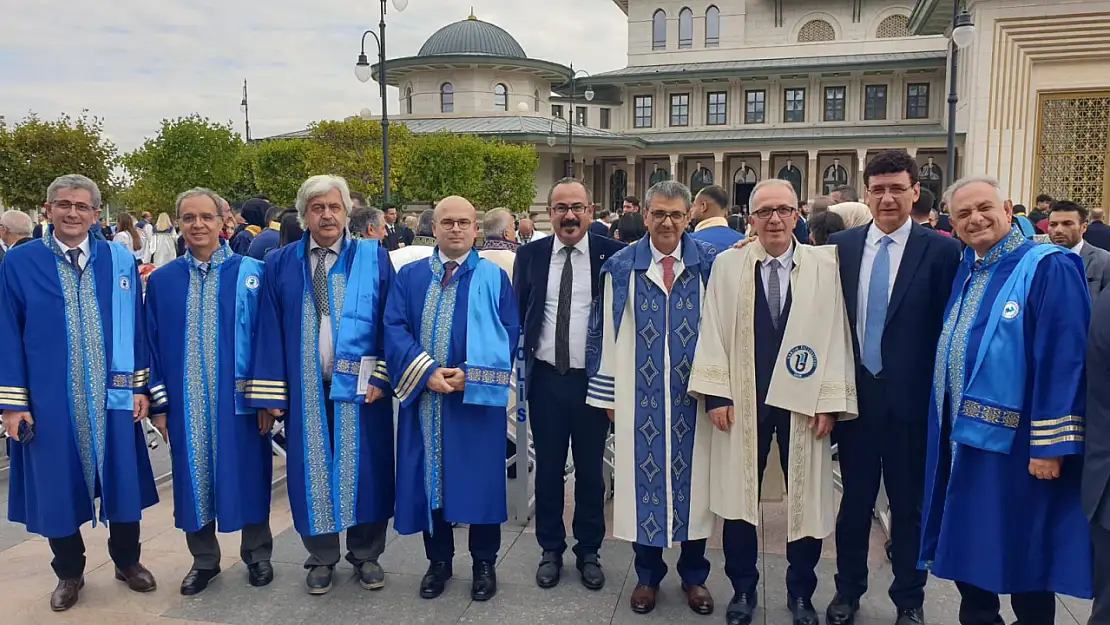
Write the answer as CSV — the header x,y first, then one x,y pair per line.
x,y
400,5
362,68
963,31
589,94
522,107
366,113
551,140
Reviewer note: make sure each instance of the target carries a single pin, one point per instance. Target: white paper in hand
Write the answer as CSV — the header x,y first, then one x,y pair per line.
x,y
365,370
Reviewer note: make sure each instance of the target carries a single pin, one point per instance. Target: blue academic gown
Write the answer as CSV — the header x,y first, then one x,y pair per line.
x,y
720,237
287,354
986,521
223,466
51,344
426,328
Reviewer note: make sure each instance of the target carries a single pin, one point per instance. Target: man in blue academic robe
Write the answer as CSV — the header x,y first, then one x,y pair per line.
x,y
73,383
200,318
318,362
451,333
1002,511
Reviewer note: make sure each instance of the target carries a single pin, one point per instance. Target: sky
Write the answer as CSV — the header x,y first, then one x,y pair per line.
x,y
134,62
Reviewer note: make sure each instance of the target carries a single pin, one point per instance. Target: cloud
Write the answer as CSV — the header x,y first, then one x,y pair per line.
x,y
135,62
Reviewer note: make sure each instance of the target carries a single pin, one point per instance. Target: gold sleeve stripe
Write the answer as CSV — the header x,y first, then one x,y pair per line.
x,y
271,383
160,387
381,376
267,397
13,399
159,396
1059,430
1047,423
414,372
1070,438
13,390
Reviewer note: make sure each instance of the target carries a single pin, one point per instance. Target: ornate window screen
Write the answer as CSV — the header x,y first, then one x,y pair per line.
x,y
816,30
1073,148
893,26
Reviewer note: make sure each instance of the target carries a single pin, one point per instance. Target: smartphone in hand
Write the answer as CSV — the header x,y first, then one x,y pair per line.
x,y
26,433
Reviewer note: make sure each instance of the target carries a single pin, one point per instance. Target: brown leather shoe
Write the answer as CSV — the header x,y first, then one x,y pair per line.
x,y
138,578
699,599
65,594
643,599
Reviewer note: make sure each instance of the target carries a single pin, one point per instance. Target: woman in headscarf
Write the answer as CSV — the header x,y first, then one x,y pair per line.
x,y
254,214
163,245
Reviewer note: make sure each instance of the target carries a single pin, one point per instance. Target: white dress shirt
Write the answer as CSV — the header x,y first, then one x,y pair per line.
x,y
83,259
327,348
783,276
580,297
461,260
1078,247
870,248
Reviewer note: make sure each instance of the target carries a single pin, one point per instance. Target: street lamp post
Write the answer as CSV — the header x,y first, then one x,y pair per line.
x,y
246,111
963,33
589,94
363,73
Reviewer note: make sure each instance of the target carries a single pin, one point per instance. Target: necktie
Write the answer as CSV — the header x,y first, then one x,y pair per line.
x,y
203,269
668,272
320,282
74,259
562,316
449,268
774,291
878,292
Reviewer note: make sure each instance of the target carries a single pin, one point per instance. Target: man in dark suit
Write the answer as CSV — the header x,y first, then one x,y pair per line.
x,y
396,235
556,279
897,277
1067,222
1096,456
1098,233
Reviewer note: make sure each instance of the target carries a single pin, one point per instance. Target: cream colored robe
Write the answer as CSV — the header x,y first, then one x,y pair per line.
x,y
814,374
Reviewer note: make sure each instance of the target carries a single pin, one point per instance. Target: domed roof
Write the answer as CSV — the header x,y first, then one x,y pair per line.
x,y
472,37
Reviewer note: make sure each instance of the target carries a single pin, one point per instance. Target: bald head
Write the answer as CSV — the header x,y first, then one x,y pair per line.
x,y
456,226
1097,214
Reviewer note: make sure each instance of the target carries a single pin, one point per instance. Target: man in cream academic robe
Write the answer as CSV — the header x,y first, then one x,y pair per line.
x,y
640,347
766,365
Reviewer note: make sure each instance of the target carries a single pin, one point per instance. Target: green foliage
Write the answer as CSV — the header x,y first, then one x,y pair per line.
x,y
187,152
353,149
279,167
35,152
489,173
509,179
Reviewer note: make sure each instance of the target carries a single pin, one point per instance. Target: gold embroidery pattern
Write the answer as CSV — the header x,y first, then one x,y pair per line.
x,y
1073,146
798,470
351,367
836,390
712,374
482,375
990,414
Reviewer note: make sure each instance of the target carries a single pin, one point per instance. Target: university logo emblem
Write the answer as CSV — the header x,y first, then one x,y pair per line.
x,y
801,361
251,282
1010,310
125,283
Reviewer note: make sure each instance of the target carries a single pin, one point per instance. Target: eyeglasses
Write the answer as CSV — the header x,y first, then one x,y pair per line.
x,y
561,209
782,211
450,224
894,191
66,205
207,218
661,216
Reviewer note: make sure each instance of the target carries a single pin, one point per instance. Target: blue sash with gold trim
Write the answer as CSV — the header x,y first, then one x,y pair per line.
x,y
489,363
246,314
120,395
356,337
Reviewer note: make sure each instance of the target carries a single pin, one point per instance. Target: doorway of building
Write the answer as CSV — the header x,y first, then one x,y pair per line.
x,y
618,189
743,183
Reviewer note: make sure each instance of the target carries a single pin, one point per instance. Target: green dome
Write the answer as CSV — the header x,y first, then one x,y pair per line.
x,y
472,37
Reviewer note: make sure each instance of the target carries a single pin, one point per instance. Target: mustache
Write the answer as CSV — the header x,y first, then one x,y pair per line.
x,y
573,222
328,222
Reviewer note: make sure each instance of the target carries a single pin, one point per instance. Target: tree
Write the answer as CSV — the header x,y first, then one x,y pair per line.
x,y
443,164
34,152
509,179
279,167
353,149
187,152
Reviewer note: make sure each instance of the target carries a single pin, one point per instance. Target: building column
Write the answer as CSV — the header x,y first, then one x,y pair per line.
x,y
812,175
719,168
588,171
912,151
764,165
631,171
861,159
674,166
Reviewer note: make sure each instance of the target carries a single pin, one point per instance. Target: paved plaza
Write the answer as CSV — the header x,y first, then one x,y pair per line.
x,y
26,581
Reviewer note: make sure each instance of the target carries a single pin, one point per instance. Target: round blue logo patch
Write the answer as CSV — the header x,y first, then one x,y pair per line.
x,y
801,361
1010,310
125,283
251,282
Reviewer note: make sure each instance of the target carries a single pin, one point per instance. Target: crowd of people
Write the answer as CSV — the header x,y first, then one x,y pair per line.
x,y
949,355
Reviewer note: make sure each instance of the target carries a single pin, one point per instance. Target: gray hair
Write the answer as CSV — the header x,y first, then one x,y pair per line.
x,y
427,220
970,180
17,222
362,218
316,186
198,192
671,190
569,180
497,222
774,182
73,181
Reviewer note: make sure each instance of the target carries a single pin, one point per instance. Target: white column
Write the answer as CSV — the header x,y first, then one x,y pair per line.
x,y
674,166
912,151
630,160
812,175
719,168
861,159
764,165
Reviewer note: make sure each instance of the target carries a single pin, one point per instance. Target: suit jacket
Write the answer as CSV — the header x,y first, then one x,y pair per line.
x,y
1098,235
1096,261
393,240
914,318
1096,451
530,273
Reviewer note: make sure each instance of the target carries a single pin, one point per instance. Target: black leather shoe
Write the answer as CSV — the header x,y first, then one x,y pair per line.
x,y
138,578
593,577
197,580
318,580
485,582
911,616
740,610
260,573
803,611
550,569
842,611
66,594
435,580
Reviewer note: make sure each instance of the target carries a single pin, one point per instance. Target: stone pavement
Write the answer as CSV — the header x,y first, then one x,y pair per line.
x,y
26,581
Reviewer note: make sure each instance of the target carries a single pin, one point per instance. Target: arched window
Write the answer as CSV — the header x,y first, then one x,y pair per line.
x,y
659,30
932,178
500,97
659,175
893,26
618,188
685,29
408,100
793,175
835,175
712,27
446,98
816,30
701,179
745,175
536,97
